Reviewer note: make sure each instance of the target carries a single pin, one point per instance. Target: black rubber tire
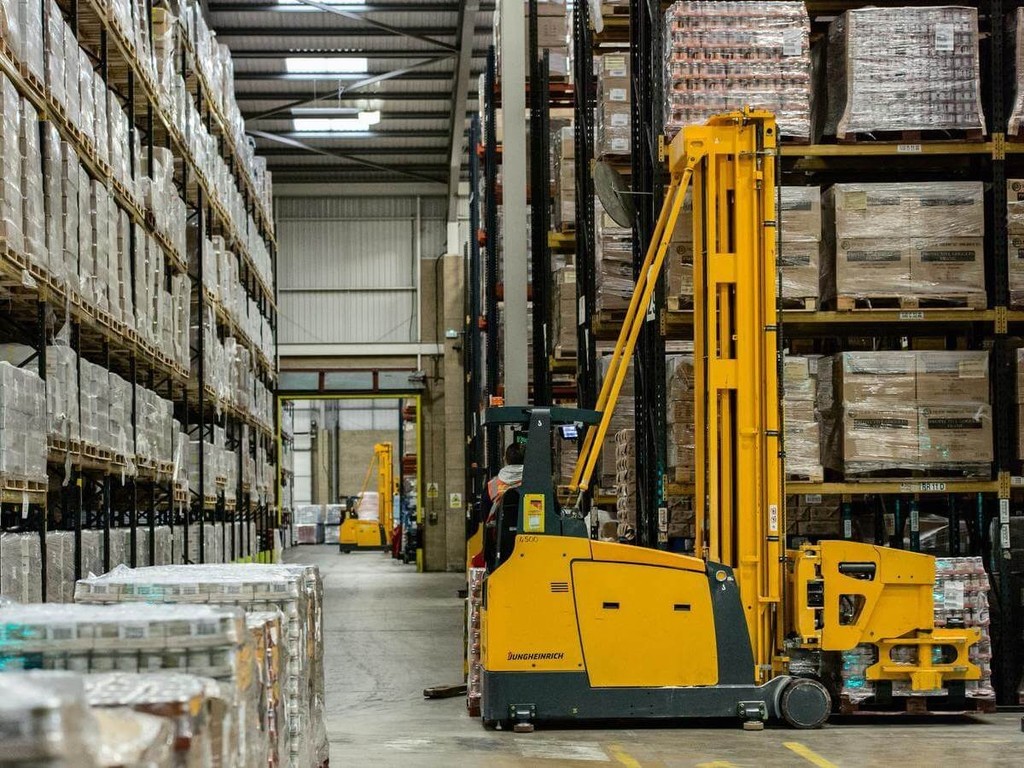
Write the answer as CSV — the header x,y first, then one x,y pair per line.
x,y
805,703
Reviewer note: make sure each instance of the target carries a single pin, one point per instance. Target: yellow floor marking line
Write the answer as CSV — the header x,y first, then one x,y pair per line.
x,y
809,755
623,756
718,764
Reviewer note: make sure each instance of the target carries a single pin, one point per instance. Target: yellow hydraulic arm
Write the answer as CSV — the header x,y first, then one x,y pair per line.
x,y
730,162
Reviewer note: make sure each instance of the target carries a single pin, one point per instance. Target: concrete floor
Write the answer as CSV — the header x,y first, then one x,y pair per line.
x,y
391,632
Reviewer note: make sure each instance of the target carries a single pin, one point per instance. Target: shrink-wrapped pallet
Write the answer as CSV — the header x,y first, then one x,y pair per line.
x,y
801,428
680,418
46,721
904,69
904,412
1016,34
33,198
800,235
23,449
905,242
1015,241
294,590
564,148
814,516
613,279
724,56
625,483
622,418
563,313
11,221
20,557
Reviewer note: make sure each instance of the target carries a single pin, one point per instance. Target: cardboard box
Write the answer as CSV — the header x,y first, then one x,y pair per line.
x,y
872,267
875,377
879,436
797,411
1015,257
800,263
955,434
952,377
929,209
1015,206
800,214
947,266
799,377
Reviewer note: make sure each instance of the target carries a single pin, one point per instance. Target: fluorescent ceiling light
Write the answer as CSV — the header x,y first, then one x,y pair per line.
x,y
336,124
322,2
335,111
326,64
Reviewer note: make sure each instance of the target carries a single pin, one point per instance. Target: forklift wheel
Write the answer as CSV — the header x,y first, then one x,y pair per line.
x,y
492,725
805,703
343,549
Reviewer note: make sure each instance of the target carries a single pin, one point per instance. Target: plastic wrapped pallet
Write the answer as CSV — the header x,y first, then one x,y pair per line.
x,y
565,178
200,639
295,590
724,56
11,222
902,411
905,242
563,312
53,201
474,601
128,738
613,115
23,449
31,36
813,515
622,418
192,704
1016,34
800,234
680,419
904,69
625,483
614,256
1015,234
20,558
961,600
46,721
800,422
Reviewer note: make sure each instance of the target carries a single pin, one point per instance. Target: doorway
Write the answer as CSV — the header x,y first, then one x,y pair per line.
x,y
331,448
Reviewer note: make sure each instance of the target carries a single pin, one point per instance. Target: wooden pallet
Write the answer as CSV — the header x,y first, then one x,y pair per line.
x,y
915,706
561,353
856,472
966,301
913,137
812,475
807,304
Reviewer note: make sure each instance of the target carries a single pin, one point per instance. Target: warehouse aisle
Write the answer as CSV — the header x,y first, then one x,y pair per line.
x,y
390,632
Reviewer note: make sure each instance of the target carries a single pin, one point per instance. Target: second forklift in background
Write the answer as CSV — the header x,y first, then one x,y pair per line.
x,y
363,529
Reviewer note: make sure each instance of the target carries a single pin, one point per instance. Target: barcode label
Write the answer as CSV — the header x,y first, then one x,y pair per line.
x,y
133,631
911,315
944,38
812,498
792,41
908,148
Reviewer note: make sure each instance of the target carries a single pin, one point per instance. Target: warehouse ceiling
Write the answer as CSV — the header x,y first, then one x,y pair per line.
x,y
343,91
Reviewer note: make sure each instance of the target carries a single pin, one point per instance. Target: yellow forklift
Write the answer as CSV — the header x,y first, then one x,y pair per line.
x,y
361,530
581,630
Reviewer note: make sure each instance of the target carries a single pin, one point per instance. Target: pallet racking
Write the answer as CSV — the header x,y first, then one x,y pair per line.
x,y
96,489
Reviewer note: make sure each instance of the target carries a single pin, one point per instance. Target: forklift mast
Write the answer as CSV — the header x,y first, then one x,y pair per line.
x,y
730,165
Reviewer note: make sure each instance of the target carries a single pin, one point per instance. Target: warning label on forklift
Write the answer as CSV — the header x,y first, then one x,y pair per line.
x,y
533,513
773,518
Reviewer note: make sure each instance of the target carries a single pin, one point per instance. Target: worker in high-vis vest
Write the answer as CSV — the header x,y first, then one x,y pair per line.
x,y
509,476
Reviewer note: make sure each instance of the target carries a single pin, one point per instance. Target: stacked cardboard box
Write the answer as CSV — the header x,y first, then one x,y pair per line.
x,y
678,268
625,482
813,515
680,418
906,242
1015,234
681,519
564,147
552,35
799,255
22,425
904,69
613,137
902,412
801,428
622,418
563,313
1020,403
613,280
724,56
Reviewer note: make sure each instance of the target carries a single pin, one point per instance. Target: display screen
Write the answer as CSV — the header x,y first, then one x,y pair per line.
x,y
569,431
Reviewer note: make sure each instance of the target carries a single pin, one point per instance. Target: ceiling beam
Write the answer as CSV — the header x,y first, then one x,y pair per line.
x,y
306,77
374,7
358,135
382,96
422,37
430,151
460,90
420,34
288,52
288,142
341,90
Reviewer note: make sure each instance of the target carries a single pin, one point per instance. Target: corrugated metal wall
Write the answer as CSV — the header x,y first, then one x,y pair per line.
x,y
345,267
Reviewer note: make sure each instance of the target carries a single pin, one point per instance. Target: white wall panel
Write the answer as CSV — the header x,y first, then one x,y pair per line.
x,y
346,267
